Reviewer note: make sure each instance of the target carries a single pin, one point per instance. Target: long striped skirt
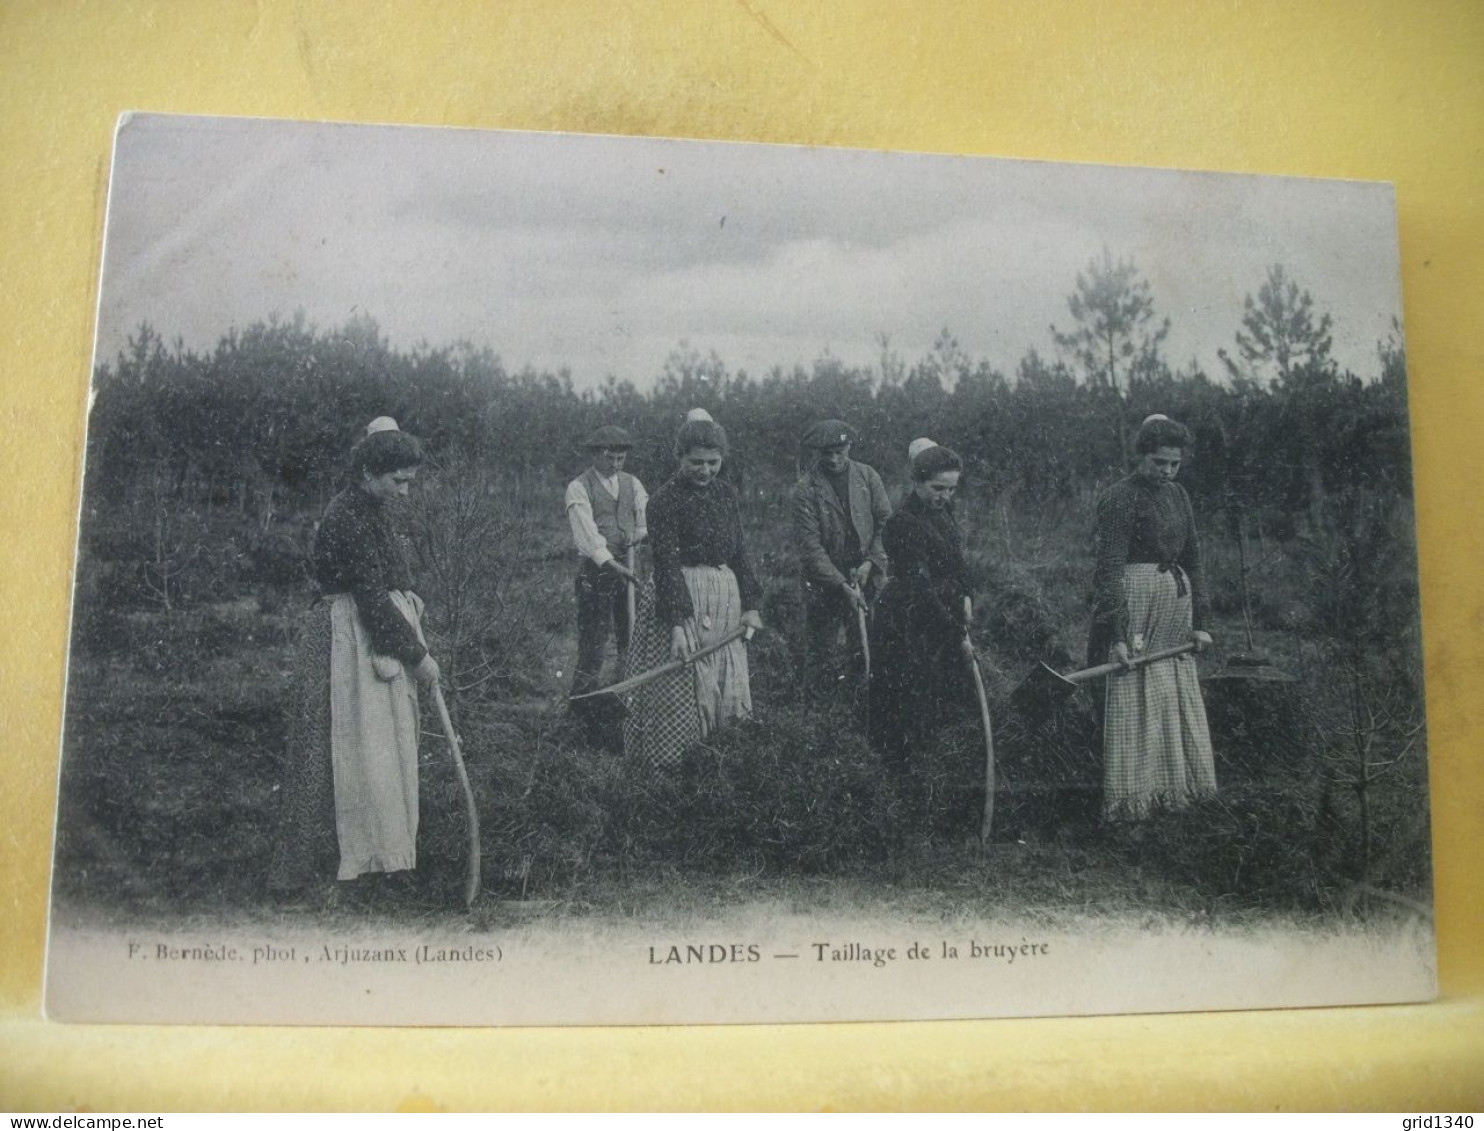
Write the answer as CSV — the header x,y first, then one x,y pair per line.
x,y
666,718
349,800
1156,745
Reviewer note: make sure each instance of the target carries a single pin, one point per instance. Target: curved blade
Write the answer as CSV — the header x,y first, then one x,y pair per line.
x,y
986,823
471,811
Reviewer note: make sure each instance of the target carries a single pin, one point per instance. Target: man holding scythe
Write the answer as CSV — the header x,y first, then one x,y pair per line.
x,y
605,509
840,509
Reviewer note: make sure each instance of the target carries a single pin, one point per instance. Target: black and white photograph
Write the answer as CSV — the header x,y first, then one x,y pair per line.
x,y
548,579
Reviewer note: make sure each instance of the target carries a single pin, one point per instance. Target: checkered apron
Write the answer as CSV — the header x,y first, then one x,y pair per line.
x,y
1156,745
373,744
666,718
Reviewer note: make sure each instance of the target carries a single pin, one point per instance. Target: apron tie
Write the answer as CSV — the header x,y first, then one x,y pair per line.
x,y
1174,567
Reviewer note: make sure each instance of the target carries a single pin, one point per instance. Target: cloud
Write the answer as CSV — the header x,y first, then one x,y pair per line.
x,y
602,253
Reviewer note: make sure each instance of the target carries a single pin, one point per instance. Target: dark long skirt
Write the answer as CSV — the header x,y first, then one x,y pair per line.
x,y
919,684
306,847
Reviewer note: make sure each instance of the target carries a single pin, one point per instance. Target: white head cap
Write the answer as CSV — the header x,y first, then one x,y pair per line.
x,y
698,414
918,446
1153,417
382,424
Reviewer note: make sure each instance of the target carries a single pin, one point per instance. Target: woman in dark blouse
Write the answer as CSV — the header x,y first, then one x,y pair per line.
x,y
1149,595
919,680
349,802
703,588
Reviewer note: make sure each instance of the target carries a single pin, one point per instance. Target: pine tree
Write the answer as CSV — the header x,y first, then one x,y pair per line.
x,y
1117,340
1280,335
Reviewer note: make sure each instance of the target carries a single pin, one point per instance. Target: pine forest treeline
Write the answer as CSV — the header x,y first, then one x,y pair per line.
x,y
262,423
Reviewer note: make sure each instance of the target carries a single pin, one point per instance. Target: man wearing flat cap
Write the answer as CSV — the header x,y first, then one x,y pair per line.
x,y
605,508
839,511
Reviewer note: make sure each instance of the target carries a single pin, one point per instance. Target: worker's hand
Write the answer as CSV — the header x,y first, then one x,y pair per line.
x,y
860,575
622,570
387,668
966,646
679,643
752,620
1121,655
427,671
856,598
1201,639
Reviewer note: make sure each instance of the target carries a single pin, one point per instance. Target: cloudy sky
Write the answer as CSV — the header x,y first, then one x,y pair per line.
x,y
603,254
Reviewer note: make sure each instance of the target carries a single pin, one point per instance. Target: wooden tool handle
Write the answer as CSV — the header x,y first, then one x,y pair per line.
x,y
1138,661
631,581
740,633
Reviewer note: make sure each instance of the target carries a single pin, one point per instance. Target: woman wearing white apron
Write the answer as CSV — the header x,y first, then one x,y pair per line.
x,y
349,802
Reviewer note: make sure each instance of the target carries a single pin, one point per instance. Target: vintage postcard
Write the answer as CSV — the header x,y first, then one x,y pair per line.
x,y
539,579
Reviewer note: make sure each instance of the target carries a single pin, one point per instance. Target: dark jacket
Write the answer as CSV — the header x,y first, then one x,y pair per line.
x,y
357,551
918,676
691,526
929,578
1140,520
826,544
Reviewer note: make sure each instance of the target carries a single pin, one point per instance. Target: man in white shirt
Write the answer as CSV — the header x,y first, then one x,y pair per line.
x,y
605,508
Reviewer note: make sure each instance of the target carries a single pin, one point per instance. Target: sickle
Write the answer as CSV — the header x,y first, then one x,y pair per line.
x,y
471,812
986,823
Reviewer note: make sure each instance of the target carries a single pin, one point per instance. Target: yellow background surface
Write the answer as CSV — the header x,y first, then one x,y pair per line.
x,y
1385,91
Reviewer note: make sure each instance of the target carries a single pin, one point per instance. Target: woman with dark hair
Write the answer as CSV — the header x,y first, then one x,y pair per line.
x,y
919,680
349,804
1148,595
703,589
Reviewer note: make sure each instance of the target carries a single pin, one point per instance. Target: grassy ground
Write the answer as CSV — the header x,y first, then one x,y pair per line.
x,y
174,739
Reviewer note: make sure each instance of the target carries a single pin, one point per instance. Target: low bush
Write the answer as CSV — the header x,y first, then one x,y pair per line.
x,y
1276,846
1243,848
